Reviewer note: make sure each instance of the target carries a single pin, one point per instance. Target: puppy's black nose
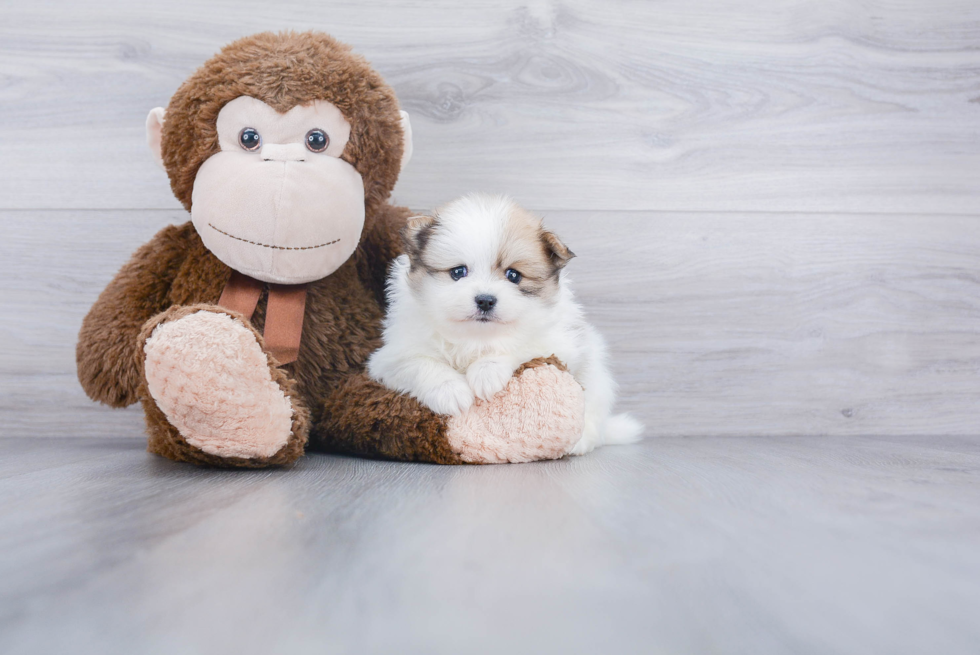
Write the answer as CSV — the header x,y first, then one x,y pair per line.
x,y
485,302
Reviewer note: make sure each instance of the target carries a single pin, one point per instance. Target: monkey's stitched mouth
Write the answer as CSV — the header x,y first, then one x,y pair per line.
x,y
266,245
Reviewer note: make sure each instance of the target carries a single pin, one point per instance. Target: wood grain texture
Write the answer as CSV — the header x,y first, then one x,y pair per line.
x,y
738,545
718,325
795,105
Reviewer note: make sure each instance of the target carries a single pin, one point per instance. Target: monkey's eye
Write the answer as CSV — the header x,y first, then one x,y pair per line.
x,y
513,276
250,139
317,140
458,272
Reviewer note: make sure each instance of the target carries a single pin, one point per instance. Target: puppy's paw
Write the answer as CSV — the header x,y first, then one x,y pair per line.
x,y
584,445
488,377
452,396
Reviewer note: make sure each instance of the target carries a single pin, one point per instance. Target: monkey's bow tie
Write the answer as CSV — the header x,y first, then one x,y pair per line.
x,y
283,313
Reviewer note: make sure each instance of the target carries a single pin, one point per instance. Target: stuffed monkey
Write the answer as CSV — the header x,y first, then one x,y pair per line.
x,y
244,332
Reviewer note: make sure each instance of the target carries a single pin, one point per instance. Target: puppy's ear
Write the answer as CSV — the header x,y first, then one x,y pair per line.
x,y
558,252
416,234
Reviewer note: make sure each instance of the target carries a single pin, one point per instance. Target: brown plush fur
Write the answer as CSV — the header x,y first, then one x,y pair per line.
x,y
542,361
175,274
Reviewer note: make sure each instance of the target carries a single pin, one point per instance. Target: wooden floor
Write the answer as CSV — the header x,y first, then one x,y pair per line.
x,y
682,545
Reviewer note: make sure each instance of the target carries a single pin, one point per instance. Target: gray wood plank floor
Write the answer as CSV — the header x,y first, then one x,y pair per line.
x,y
699,545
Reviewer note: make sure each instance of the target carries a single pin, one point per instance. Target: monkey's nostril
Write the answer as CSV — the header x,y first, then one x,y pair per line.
x,y
485,302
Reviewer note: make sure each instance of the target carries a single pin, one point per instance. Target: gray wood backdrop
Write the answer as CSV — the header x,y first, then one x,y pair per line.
x,y
775,204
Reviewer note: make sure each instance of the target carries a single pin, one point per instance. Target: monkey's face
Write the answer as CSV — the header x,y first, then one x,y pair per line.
x,y
277,202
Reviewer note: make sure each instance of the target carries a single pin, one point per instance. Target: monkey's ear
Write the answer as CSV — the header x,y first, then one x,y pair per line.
x,y
154,130
557,251
407,139
416,234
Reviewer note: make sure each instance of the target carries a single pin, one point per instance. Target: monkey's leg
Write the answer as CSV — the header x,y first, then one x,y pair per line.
x,y
213,396
539,415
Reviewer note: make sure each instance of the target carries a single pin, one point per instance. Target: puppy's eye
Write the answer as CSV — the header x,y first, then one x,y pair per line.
x,y
250,139
317,140
513,276
458,272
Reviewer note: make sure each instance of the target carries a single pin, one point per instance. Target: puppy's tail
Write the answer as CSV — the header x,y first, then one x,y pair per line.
x,y
622,429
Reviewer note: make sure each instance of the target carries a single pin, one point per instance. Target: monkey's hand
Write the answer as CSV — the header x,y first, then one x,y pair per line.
x,y
538,415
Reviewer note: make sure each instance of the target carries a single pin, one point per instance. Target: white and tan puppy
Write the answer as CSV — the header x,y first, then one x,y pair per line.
x,y
481,290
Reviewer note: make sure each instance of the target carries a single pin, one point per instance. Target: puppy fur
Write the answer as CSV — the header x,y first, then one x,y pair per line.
x,y
445,349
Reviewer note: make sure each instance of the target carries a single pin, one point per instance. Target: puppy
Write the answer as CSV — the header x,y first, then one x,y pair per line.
x,y
481,290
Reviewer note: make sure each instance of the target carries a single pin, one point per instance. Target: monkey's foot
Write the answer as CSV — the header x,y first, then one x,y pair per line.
x,y
539,415
208,373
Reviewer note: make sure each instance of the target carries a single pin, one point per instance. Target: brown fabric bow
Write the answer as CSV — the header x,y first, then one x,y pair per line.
x,y
283,313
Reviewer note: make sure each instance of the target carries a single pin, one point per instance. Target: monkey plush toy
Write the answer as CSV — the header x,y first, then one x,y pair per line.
x,y
244,332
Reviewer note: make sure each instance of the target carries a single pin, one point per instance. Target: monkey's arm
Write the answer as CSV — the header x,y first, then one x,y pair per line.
x,y
381,244
363,417
538,416
107,350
